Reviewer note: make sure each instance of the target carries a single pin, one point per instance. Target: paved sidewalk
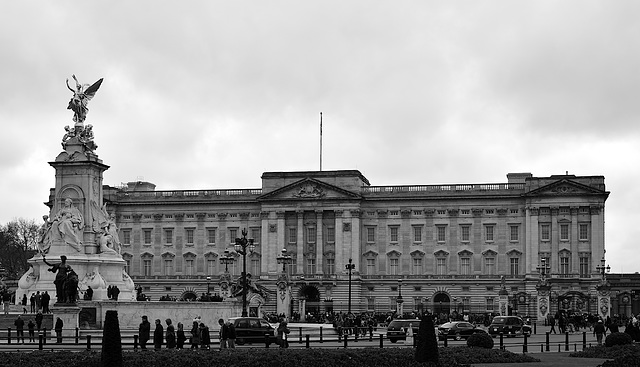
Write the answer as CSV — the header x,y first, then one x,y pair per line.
x,y
550,360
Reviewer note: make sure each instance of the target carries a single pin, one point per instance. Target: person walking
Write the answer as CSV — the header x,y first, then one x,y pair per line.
x,y
195,335
552,323
180,336
58,328
19,324
158,335
599,331
205,338
32,334
281,334
231,337
144,332
170,334
224,333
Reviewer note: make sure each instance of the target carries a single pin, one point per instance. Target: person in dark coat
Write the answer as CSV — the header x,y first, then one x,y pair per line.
x,y
45,299
599,330
32,332
19,324
180,336
231,337
58,328
39,318
170,336
205,338
224,334
195,336
144,331
158,335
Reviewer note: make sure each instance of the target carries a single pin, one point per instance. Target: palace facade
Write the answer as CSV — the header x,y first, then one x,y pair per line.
x,y
442,248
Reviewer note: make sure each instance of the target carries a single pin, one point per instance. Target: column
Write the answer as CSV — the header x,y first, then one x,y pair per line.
x,y
300,243
319,247
276,247
532,246
341,249
354,245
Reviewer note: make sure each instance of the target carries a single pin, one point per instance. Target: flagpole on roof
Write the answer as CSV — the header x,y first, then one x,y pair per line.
x,y
320,141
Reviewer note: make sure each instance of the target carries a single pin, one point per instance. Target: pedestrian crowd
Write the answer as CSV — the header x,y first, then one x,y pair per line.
x,y
197,337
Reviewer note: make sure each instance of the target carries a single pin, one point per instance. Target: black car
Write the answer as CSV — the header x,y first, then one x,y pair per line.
x,y
508,326
397,329
253,330
457,330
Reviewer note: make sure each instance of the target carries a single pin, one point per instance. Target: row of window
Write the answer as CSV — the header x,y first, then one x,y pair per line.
x,y
441,233
373,303
189,235
564,232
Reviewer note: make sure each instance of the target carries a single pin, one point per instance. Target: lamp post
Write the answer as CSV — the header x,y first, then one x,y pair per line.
x,y
284,259
226,259
241,246
399,299
602,268
350,266
543,269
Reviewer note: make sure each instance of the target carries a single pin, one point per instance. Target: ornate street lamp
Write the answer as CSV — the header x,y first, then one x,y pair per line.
x,y
242,246
350,267
226,259
602,268
543,269
284,259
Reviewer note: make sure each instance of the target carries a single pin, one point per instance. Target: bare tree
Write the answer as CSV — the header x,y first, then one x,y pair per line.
x,y
18,243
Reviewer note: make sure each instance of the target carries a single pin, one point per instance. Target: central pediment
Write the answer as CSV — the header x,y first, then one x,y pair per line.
x,y
566,187
310,189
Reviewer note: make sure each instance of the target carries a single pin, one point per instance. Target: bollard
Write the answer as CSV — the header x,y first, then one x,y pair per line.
x,y
547,340
8,335
135,342
371,334
584,340
501,341
307,341
535,328
300,333
320,334
339,334
44,334
524,345
345,340
355,334
89,342
446,341
558,348
566,341
77,336
541,348
40,341
575,347
381,340
266,339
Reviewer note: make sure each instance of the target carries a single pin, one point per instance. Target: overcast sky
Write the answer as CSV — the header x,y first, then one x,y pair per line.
x,y
211,94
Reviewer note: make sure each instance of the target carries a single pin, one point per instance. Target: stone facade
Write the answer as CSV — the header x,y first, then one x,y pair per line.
x,y
443,247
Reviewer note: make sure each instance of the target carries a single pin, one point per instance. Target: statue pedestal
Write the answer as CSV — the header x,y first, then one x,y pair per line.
x,y
68,313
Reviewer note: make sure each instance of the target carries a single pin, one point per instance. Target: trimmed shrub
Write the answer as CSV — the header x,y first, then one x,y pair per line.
x,y
427,348
111,341
482,340
618,339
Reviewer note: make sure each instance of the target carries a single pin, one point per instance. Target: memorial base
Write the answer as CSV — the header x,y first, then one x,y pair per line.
x,y
68,313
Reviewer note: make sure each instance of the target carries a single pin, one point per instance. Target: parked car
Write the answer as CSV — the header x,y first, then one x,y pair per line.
x,y
253,330
397,329
509,326
457,330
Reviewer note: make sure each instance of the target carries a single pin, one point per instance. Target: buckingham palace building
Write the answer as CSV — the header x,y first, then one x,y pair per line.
x,y
352,245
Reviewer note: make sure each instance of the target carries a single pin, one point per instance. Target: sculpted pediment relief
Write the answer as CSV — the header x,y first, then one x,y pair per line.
x,y
564,188
309,189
